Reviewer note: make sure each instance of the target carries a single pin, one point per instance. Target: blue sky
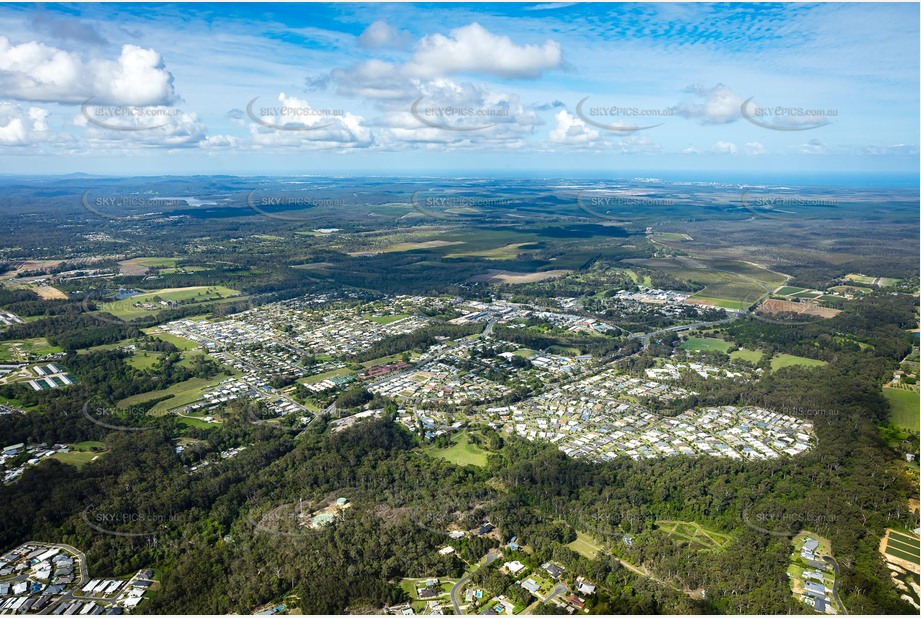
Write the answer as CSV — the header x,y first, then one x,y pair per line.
x,y
459,88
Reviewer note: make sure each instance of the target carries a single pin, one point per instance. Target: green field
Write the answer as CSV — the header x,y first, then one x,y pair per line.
x,y
788,360
462,453
705,343
696,536
752,356
860,278
10,350
585,545
183,393
77,458
335,373
788,290
386,319
904,411
180,342
126,309
156,262
143,360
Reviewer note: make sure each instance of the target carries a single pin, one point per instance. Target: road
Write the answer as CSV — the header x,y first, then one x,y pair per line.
x,y
487,560
834,588
84,571
456,589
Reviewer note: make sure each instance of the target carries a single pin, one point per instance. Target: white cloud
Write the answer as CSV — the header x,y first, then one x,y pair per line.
x,y
380,34
21,126
722,147
755,148
812,147
639,144
716,105
572,130
34,71
472,48
690,150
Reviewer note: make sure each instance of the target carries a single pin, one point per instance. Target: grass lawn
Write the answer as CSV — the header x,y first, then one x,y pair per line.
x,y
705,343
904,407
86,445
78,458
143,360
726,303
183,393
335,373
787,290
789,360
386,319
463,453
180,342
585,545
196,422
38,346
752,356
155,262
199,293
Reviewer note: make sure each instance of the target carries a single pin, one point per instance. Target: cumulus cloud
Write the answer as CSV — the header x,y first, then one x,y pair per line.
x,y
755,148
380,35
21,126
37,72
716,105
572,130
639,144
812,147
321,130
472,48
722,147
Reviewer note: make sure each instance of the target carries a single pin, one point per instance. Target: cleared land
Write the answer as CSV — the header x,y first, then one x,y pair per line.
x,y
585,545
462,453
788,360
507,276
49,293
182,393
200,293
774,306
695,535
905,405
752,356
705,343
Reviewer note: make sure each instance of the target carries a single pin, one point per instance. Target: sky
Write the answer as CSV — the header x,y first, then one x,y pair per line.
x,y
413,89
